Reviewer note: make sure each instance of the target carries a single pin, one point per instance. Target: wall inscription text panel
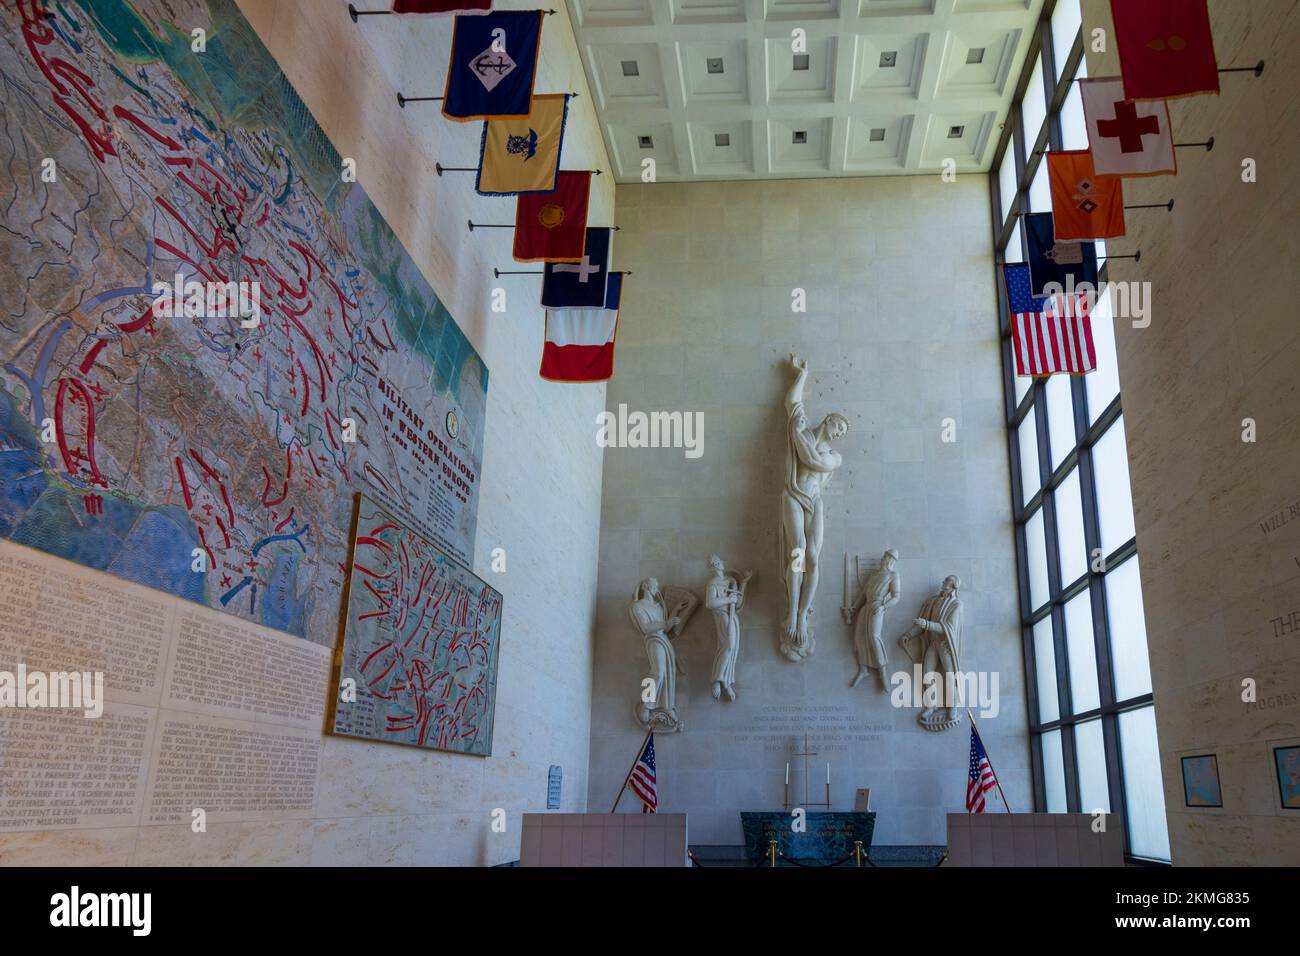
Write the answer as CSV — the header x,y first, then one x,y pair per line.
x,y
228,719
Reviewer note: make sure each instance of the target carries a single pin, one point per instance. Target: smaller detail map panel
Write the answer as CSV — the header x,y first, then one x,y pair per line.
x,y
418,660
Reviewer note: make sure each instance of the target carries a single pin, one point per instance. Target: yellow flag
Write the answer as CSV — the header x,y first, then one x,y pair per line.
x,y
522,154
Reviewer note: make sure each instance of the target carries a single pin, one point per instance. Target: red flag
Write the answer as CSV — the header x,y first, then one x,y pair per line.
x,y
552,227
1084,205
1166,49
441,6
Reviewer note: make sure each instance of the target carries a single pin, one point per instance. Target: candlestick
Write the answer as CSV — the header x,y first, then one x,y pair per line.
x,y
787,773
828,774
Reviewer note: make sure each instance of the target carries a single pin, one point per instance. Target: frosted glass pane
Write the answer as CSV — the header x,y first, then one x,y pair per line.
x,y
1022,383
1066,21
1036,557
1114,497
1074,131
1069,529
1140,757
1040,190
1034,106
1090,753
1054,772
1060,418
1027,439
1128,632
1015,251
1045,672
1103,382
1082,653
1007,185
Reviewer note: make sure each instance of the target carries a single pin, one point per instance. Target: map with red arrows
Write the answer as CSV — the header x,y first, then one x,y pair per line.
x,y
212,455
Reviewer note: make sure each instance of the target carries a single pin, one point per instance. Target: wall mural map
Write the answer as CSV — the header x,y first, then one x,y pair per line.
x,y
129,438
418,660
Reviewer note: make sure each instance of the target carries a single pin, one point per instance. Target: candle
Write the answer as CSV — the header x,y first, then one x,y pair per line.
x,y
828,774
787,773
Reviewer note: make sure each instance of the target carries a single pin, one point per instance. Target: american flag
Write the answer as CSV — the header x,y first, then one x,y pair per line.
x,y
1050,333
642,780
981,779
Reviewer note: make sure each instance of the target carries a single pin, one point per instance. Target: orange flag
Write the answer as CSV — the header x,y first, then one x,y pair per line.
x,y
1084,205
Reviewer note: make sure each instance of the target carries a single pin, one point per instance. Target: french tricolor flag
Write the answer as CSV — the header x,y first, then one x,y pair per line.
x,y
580,342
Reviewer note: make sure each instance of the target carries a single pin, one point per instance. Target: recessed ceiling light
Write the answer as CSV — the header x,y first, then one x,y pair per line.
x,y
975,55
878,134
645,142
955,132
801,61
889,58
714,64
721,139
799,136
630,68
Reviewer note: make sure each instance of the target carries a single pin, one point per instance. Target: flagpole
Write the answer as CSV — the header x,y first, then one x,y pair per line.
x,y
635,761
996,778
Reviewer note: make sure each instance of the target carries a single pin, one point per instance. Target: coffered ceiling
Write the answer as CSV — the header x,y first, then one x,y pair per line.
x,y
716,89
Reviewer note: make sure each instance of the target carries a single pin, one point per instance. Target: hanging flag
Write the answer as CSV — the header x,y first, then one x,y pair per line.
x,y
1067,265
552,227
1047,335
523,155
493,65
1126,139
1084,205
441,6
1166,49
580,342
642,780
981,779
581,284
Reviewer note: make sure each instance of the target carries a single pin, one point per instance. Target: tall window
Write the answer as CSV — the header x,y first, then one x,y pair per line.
x,y
1091,716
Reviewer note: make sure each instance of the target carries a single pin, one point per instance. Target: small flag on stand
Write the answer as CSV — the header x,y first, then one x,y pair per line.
x,y
581,284
643,781
523,155
441,6
552,227
493,64
580,342
1166,49
981,779
1126,139
1067,265
1084,205
1047,335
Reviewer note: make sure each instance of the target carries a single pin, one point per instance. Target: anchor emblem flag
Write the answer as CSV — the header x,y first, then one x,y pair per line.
x,y
493,65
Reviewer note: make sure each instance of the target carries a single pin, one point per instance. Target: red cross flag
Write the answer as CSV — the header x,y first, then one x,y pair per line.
x,y
1126,139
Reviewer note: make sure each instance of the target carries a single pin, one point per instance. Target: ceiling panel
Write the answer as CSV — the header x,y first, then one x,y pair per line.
x,y
793,88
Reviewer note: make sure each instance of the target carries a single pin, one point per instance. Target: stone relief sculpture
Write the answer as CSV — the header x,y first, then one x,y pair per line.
x,y
934,642
880,590
724,595
659,618
810,462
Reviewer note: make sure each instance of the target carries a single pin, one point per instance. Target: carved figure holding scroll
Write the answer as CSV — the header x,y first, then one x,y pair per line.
x,y
658,622
724,595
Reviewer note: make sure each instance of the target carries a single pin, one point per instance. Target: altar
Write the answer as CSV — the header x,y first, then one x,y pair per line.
x,y
827,837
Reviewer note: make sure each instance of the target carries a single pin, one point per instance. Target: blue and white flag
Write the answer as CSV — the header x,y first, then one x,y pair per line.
x,y
1068,265
493,65
580,285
